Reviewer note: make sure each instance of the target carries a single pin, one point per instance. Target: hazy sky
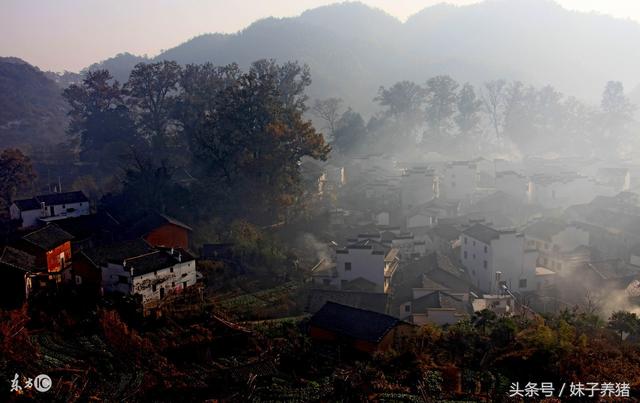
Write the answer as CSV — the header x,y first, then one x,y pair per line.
x,y
71,34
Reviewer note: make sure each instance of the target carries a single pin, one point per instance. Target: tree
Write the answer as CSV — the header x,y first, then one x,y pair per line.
x,y
152,93
493,99
350,132
469,107
402,99
328,110
624,322
255,136
98,114
16,172
441,104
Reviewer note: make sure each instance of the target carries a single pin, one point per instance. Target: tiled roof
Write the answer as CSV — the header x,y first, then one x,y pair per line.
x,y
439,300
117,252
156,260
50,200
48,237
355,323
372,301
17,259
544,229
482,233
152,221
62,198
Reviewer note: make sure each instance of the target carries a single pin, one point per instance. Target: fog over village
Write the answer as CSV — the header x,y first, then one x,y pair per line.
x,y
336,206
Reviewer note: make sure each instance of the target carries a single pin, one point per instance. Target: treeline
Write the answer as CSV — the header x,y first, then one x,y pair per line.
x,y
199,141
452,118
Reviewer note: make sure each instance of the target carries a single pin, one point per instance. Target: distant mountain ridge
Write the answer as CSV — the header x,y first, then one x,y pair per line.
x,y
353,49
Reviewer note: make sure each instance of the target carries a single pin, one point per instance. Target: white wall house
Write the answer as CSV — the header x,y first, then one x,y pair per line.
x,y
492,256
369,260
152,276
513,184
557,243
418,185
459,180
49,207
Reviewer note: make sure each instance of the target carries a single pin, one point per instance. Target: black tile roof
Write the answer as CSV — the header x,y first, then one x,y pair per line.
x,y
482,233
544,229
156,260
62,198
117,252
17,259
51,199
85,226
27,204
439,300
353,322
372,301
48,237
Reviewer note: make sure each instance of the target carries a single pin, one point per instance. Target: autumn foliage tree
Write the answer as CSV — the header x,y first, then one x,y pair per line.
x,y
16,172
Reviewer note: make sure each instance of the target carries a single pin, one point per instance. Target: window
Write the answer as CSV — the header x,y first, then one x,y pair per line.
x,y
522,283
78,280
154,288
184,274
123,279
173,284
171,270
474,243
474,256
484,264
486,249
407,308
465,240
326,281
347,266
465,254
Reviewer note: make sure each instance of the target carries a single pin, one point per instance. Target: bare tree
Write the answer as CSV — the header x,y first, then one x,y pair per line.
x,y
494,98
328,110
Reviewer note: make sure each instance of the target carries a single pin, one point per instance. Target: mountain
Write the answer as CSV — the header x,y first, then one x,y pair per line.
x,y
32,110
352,49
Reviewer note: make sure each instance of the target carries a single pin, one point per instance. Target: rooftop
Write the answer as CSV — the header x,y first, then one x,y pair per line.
x,y
353,322
34,203
48,237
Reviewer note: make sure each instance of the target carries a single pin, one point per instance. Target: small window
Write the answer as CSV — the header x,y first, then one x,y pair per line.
x,y
474,243
465,254
123,279
347,266
465,240
154,288
484,264
523,283
171,270
474,256
326,281
407,308
184,274
173,284
486,249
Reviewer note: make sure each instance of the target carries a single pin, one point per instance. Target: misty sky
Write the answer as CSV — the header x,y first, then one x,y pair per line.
x,y
71,34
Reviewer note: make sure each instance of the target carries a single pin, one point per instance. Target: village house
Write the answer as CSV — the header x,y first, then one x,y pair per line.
x,y
136,268
459,180
436,307
367,260
618,179
498,257
370,301
558,244
434,272
49,207
358,330
162,231
428,214
153,275
51,248
500,304
19,277
418,185
513,184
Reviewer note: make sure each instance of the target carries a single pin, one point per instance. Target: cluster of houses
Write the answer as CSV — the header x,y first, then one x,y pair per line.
x,y
61,243
435,242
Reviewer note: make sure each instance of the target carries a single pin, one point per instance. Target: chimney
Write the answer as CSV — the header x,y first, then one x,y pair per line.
x,y
179,257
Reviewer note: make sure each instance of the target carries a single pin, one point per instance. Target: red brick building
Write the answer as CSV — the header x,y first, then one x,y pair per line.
x,y
161,230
